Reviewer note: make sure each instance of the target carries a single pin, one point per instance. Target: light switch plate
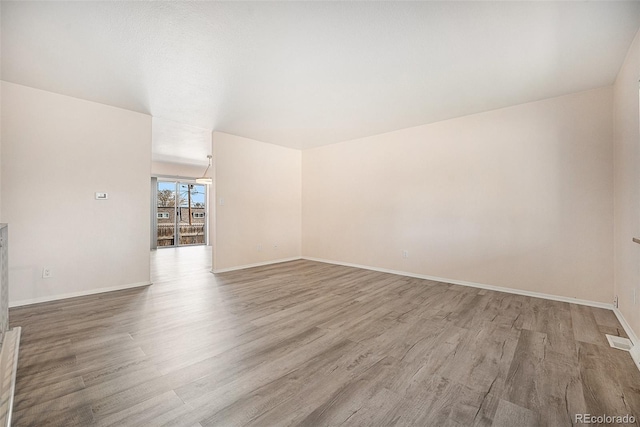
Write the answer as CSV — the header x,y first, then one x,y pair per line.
x,y
102,196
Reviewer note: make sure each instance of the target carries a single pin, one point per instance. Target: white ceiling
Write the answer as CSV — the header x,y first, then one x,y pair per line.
x,y
303,74
179,143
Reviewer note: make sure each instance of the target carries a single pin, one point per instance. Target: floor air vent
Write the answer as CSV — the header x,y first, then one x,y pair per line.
x,y
619,342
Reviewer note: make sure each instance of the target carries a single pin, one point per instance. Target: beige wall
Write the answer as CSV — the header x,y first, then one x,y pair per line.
x,y
0,127
260,185
519,198
57,152
627,187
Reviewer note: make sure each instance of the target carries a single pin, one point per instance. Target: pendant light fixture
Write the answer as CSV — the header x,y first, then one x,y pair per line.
x,y
204,179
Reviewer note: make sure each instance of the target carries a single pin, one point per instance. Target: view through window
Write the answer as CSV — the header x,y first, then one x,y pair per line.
x,y
181,213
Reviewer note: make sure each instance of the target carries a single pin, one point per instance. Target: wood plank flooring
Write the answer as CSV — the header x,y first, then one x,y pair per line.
x,y
306,343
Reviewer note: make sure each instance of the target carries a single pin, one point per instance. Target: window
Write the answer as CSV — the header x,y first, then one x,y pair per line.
x,y
163,215
198,214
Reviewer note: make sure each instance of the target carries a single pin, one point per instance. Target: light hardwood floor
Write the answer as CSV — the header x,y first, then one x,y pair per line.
x,y
306,343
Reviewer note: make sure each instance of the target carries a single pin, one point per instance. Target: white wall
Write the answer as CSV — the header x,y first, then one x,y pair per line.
x,y
57,152
0,123
260,185
627,186
518,198
177,170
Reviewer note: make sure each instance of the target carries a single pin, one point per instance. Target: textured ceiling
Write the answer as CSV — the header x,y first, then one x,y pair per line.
x,y
179,143
303,74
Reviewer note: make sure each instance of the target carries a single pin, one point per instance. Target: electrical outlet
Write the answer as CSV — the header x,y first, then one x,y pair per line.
x,y
259,248
615,301
46,273
405,254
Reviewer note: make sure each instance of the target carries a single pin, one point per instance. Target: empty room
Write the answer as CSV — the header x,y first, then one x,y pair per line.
x,y
319,213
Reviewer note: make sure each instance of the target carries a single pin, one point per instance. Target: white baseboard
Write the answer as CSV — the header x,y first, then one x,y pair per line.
x,y
635,350
627,328
258,264
471,284
77,294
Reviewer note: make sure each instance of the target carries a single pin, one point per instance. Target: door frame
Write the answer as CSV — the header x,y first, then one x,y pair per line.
x,y
177,181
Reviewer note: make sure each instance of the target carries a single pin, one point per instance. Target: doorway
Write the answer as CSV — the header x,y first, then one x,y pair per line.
x,y
180,214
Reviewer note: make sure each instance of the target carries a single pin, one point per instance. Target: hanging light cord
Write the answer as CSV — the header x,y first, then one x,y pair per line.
x,y
204,175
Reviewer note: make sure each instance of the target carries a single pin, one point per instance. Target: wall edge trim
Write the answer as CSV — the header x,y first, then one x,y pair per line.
x,y
471,284
78,294
635,350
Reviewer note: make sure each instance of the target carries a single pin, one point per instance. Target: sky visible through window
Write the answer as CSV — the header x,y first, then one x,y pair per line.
x,y
197,193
